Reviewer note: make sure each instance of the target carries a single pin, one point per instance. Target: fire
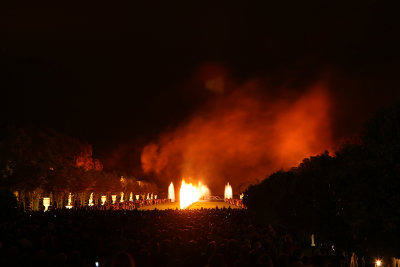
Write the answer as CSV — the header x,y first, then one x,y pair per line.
x,y
69,206
171,192
189,193
46,203
228,191
91,200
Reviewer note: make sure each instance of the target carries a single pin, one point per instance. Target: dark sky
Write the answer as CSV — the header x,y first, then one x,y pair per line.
x,y
112,73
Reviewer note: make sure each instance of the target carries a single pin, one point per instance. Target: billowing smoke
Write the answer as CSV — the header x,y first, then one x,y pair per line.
x,y
241,137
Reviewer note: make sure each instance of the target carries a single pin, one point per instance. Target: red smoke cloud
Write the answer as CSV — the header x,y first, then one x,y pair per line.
x,y
241,137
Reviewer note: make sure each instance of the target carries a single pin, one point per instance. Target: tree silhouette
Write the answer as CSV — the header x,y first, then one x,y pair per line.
x,y
351,199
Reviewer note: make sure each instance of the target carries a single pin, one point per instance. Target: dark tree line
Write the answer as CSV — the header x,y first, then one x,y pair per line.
x,y
351,199
37,162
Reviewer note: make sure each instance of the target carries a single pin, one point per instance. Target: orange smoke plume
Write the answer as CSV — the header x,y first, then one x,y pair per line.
x,y
242,137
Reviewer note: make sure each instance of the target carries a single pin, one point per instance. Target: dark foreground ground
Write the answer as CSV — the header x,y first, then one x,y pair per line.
x,y
223,237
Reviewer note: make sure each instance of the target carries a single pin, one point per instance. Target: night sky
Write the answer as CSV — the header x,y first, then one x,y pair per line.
x,y
119,75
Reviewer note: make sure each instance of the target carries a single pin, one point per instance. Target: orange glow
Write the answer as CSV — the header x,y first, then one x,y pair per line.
x,y
204,191
86,161
245,134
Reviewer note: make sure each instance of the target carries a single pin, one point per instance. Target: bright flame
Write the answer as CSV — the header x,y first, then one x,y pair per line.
x,y
91,200
228,191
171,192
122,197
114,198
188,194
69,206
46,203
241,196
131,197
137,197
378,263
103,200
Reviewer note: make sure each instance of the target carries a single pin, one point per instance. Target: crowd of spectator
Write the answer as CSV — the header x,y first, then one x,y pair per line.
x,y
93,237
